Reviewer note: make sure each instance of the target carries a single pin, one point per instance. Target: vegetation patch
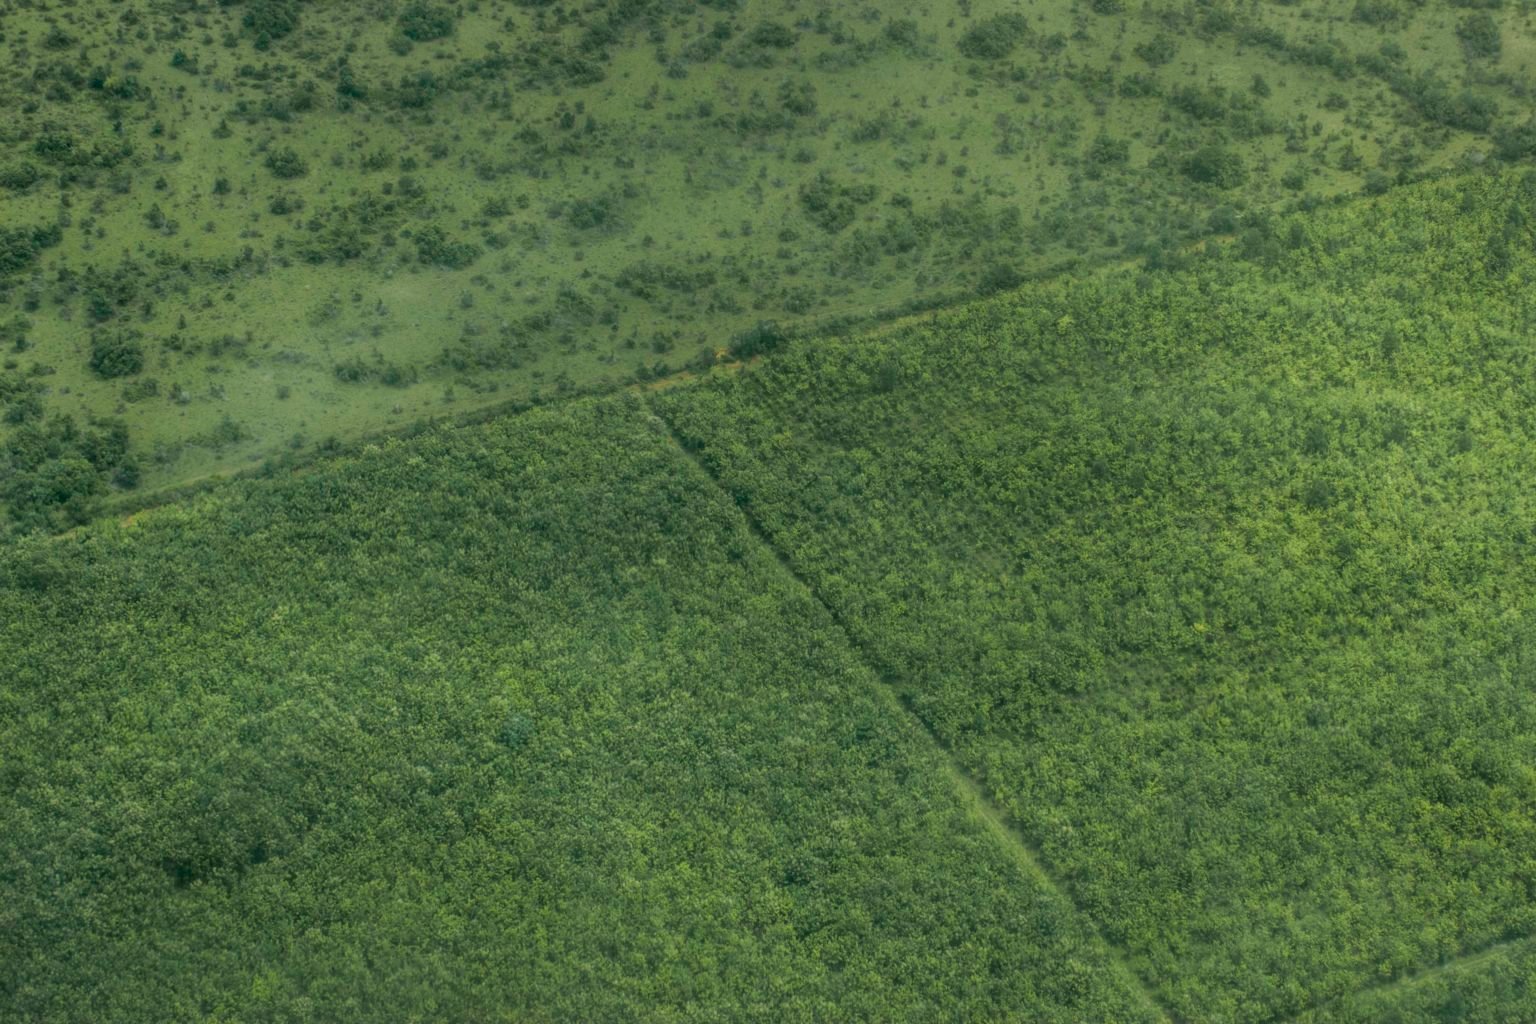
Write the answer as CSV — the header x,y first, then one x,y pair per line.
x,y
1179,564
201,171
529,692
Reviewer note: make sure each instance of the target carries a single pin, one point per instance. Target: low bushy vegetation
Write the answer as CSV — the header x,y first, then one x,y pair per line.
x,y
527,694
192,172
1216,578
1144,636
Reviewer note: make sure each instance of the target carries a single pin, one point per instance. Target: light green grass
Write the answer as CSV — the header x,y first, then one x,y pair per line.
x,y
1017,126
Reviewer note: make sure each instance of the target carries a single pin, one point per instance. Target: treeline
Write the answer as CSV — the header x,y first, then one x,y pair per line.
x,y
53,472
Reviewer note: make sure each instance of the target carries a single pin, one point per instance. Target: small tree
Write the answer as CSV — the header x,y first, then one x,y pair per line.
x,y
1480,37
424,22
1216,165
287,163
116,354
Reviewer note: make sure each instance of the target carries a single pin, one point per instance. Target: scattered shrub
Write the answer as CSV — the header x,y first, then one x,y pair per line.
x,y
424,22
434,247
764,337
1157,51
833,206
287,163
116,353
1216,165
994,38
1480,36
20,176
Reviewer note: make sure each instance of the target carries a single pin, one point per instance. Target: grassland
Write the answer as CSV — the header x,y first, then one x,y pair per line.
x,y
280,224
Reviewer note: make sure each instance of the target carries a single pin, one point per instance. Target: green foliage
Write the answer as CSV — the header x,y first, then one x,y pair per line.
x,y
592,213
1480,36
1200,103
20,247
434,247
765,337
1494,987
994,38
1216,165
1433,97
529,694
1023,524
771,34
1217,579
19,177
21,398
665,132
286,163
648,279
423,21
1376,12
902,33
1157,51
357,370
833,205
61,147
117,353
52,474
271,19
1106,150
1519,142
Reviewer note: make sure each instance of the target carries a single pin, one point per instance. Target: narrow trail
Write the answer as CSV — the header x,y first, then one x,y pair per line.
x,y
1408,982
981,807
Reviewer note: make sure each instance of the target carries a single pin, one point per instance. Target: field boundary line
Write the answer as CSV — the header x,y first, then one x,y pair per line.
x,y
971,793
1407,982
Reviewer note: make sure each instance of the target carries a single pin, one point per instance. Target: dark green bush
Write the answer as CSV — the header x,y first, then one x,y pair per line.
x,y
1480,36
833,205
19,176
773,35
287,163
116,353
994,38
760,339
271,19
1517,143
1216,165
1157,51
19,247
433,246
423,22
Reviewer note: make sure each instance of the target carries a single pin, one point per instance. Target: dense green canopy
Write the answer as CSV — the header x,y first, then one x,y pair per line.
x,y
515,722
1219,580
1153,646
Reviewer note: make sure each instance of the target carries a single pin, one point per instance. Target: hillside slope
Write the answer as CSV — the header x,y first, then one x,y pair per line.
x,y
1154,647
